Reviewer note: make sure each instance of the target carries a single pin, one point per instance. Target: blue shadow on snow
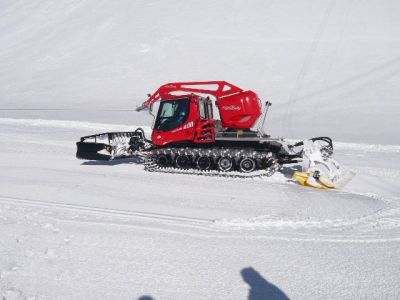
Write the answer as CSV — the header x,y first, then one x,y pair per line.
x,y
260,288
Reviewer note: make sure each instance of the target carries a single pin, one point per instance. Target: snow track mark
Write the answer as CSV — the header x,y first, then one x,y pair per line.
x,y
262,227
104,211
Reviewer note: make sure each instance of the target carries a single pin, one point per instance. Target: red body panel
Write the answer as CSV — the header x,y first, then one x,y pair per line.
x,y
240,110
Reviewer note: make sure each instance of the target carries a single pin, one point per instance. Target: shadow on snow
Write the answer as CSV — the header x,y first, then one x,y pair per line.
x,y
131,160
259,287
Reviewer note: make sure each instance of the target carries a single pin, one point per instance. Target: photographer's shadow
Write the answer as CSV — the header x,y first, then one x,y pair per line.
x,y
260,288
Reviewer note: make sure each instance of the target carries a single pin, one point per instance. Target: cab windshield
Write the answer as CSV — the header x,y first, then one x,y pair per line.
x,y
172,114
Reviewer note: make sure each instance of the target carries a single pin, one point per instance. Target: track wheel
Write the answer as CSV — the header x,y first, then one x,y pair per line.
x,y
247,165
182,161
163,160
225,164
203,163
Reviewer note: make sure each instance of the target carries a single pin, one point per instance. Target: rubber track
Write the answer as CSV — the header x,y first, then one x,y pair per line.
x,y
151,166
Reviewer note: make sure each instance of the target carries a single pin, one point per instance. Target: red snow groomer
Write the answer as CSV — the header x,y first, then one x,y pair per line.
x,y
188,137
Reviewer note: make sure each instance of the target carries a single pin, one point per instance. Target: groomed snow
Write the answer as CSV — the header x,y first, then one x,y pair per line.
x,y
73,229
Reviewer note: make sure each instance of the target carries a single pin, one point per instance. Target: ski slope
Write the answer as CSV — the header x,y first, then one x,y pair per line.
x,y
72,229
321,63
86,230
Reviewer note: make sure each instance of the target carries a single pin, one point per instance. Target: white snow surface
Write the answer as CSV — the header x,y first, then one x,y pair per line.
x,y
72,229
96,230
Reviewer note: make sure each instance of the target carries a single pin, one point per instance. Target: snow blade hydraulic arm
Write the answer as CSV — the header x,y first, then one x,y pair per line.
x,y
325,142
319,169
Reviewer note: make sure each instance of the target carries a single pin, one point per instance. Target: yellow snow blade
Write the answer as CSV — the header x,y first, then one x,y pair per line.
x,y
301,177
306,179
326,182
